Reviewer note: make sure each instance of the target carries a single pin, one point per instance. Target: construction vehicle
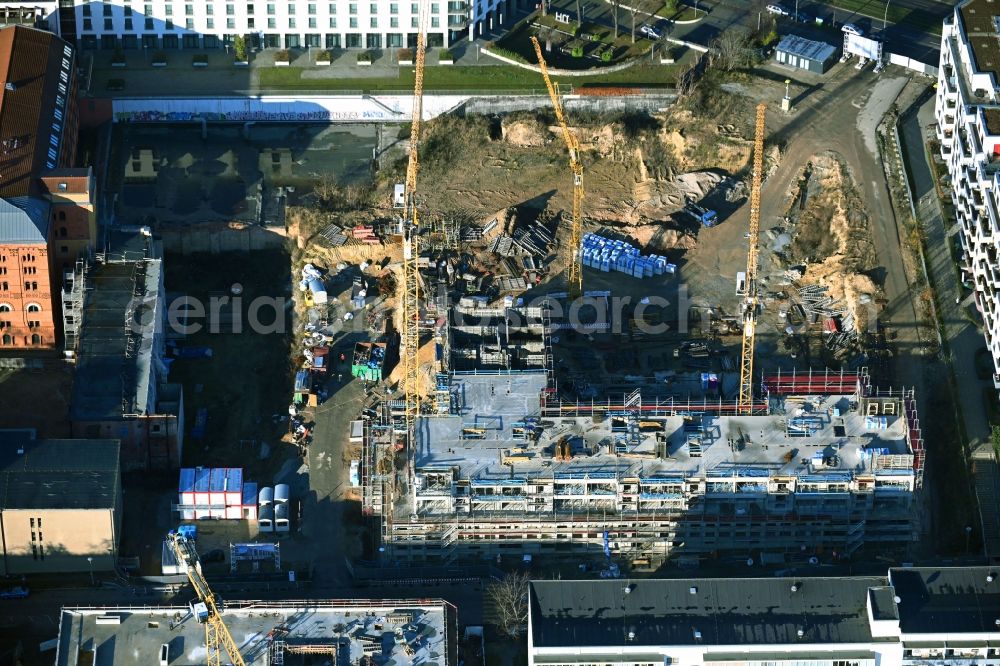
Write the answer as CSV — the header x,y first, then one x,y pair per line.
x,y
219,643
574,280
703,216
751,299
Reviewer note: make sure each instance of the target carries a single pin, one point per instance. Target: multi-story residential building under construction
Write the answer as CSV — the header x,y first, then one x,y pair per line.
x,y
825,464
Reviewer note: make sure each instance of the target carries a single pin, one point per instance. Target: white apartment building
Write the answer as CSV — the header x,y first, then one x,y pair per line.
x,y
197,24
910,617
968,127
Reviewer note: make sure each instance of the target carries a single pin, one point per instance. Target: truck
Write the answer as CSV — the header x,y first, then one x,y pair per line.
x,y
703,216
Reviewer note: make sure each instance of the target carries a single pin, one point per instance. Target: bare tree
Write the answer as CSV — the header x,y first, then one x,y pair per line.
x,y
731,50
579,16
509,597
615,5
633,10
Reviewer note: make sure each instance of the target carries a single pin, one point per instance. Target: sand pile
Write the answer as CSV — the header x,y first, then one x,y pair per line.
x,y
523,133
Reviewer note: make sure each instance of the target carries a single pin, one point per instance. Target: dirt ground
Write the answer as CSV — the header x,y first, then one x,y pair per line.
x,y
244,427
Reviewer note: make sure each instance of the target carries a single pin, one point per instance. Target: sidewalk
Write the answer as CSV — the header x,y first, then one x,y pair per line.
x,y
962,338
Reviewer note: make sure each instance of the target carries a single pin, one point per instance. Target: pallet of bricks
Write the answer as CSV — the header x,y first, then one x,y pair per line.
x,y
365,234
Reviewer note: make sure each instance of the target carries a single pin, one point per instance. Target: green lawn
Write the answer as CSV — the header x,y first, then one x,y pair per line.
x,y
918,19
471,78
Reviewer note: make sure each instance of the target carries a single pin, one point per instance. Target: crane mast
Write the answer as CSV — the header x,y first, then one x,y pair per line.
x,y
411,221
574,281
218,640
751,301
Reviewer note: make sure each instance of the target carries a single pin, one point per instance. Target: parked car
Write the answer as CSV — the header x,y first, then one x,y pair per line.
x,y
803,17
851,29
649,31
14,593
778,9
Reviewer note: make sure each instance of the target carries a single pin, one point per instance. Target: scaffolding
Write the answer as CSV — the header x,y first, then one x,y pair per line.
x,y
73,291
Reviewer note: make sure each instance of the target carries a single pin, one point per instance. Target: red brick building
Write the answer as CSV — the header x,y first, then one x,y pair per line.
x,y
47,212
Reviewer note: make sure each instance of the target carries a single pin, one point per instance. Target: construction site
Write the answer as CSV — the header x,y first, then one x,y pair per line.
x,y
662,366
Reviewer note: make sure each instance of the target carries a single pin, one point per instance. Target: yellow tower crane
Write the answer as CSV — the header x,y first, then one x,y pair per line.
x,y
574,281
218,640
751,301
410,225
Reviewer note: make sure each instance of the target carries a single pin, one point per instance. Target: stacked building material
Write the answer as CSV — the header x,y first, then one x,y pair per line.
x,y
606,254
365,234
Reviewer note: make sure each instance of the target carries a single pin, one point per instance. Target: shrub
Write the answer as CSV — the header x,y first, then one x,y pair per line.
x,y
282,56
770,38
240,48
325,55
506,53
573,29
199,58
160,56
365,56
577,52
446,55
405,54
606,55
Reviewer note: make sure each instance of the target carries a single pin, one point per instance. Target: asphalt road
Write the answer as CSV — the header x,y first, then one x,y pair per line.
x,y
900,38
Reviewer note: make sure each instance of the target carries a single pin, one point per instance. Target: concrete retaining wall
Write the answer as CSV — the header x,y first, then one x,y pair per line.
x,y
572,103
187,240
280,108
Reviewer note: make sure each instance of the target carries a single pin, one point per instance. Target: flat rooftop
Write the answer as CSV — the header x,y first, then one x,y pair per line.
x,y
58,473
979,18
402,633
750,611
992,118
801,437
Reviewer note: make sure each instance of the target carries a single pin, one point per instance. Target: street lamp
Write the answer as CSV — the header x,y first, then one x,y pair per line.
x,y
90,561
885,15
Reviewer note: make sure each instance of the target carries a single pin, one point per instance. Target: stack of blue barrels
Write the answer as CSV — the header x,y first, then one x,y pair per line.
x,y
607,254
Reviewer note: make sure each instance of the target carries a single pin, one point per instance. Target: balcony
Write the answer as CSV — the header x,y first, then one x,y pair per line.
x,y
458,8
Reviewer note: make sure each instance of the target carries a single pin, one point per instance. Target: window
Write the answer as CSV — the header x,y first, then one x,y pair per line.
x,y
435,8
373,22
128,24
250,22
333,21
34,553
373,8
312,23
414,9
250,9
169,11
271,22
354,22
413,22
393,7
394,22
189,10
333,8
189,24
109,24
352,8
107,10
147,10
291,9
148,24
291,22
210,24
230,23
39,523
168,24
311,8
435,21
209,10
270,8
86,10
88,24
64,249
230,10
